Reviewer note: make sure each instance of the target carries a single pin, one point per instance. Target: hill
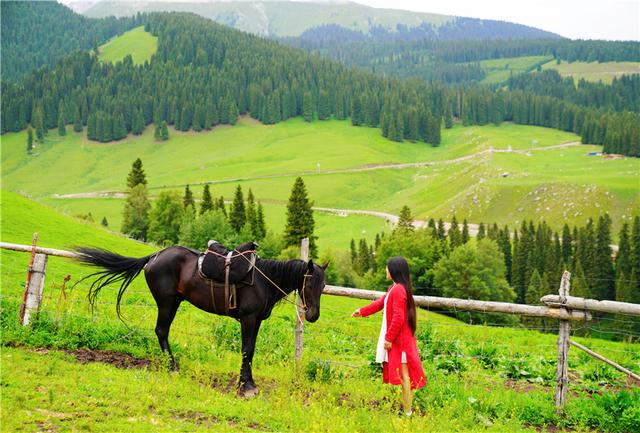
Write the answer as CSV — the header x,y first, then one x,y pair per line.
x,y
51,382
285,19
356,171
39,33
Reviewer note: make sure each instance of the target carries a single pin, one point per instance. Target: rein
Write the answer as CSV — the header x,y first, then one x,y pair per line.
x,y
302,295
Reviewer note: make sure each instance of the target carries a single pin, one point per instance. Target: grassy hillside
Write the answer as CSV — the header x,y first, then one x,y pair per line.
x,y
139,44
559,185
499,70
49,389
594,71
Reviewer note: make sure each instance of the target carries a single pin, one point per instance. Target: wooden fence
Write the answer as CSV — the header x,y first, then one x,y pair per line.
x,y
562,307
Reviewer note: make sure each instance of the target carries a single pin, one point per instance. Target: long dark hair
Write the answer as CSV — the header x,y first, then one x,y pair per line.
x,y
399,271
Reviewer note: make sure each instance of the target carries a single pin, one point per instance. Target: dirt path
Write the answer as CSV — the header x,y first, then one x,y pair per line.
x,y
373,167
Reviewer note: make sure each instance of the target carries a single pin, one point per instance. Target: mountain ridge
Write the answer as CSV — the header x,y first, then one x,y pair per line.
x,y
290,19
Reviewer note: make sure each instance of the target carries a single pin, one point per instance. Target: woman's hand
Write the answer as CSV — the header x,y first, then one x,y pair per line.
x,y
387,345
356,313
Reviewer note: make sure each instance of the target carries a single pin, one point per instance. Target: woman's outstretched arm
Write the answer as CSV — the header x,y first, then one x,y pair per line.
x,y
373,307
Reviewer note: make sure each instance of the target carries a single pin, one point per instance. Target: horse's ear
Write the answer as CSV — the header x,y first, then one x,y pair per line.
x,y
326,265
310,267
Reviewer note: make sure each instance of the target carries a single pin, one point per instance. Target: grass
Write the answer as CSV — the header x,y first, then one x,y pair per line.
x,y
139,44
571,185
594,71
48,389
499,70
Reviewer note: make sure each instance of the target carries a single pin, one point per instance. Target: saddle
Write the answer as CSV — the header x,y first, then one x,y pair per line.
x,y
227,269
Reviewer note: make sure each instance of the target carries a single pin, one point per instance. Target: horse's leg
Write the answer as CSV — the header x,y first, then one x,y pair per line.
x,y
249,326
167,309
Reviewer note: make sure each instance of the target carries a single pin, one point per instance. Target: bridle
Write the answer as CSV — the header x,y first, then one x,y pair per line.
x,y
301,291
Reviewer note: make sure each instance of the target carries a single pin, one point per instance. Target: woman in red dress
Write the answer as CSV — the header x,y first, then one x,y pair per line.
x,y
397,348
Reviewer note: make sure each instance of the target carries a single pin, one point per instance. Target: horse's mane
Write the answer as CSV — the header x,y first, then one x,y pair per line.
x,y
287,274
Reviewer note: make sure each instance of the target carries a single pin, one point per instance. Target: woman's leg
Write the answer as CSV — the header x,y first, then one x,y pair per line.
x,y
407,392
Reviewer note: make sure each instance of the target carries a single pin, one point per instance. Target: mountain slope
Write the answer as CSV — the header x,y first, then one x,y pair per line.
x,y
39,33
281,18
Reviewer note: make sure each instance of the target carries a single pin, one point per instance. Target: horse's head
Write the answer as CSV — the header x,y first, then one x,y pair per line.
x,y
311,290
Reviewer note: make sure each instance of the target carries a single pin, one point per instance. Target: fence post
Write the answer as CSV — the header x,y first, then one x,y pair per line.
x,y
26,284
562,374
35,288
304,255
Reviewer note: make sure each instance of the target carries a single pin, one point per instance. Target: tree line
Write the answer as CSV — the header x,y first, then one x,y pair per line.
x,y
175,218
204,74
532,258
623,94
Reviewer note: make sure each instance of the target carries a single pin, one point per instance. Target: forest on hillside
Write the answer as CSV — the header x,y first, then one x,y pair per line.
x,y
205,74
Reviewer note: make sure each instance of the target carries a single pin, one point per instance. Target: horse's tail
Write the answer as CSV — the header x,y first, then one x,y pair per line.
x,y
118,269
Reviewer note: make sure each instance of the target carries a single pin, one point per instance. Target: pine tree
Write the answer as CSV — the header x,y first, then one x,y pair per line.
x,y
104,222
307,107
237,215
567,249
219,205
604,275
62,130
623,256
206,204
481,233
157,133
252,216
465,231
187,199
635,248
136,175
77,123
405,220
535,291
504,243
29,140
261,226
442,232
137,123
455,238
164,131
300,223
135,217
579,286
38,123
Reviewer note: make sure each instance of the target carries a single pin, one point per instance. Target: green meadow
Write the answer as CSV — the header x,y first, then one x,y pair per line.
x,y
499,70
464,177
139,44
335,388
594,71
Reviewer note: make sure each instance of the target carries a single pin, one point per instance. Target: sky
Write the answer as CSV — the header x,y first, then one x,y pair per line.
x,y
575,19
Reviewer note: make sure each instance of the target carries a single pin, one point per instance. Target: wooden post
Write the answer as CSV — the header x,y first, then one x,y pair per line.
x,y
562,375
29,270
304,255
35,288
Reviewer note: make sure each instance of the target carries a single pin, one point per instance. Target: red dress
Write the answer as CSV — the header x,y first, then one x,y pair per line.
x,y
401,338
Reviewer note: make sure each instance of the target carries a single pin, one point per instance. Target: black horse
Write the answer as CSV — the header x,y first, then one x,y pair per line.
x,y
172,277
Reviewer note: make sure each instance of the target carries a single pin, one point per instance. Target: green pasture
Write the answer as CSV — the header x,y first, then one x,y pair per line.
x,y
509,388
594,71
559,185
499,70
139,44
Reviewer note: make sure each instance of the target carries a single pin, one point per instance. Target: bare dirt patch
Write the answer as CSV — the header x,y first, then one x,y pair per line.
x,y
117,359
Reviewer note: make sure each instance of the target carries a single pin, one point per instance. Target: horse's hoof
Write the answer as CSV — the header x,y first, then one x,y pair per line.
x,y
248,393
